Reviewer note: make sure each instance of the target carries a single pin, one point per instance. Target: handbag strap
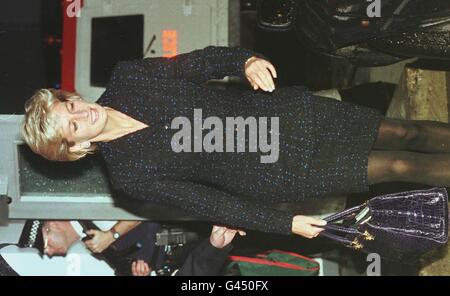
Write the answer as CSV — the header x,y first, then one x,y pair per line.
x,y
355,243
331,229
337,238
342,229
345,213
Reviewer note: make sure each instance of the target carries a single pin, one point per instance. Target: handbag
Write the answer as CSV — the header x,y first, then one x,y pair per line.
x,y
398,226
275,262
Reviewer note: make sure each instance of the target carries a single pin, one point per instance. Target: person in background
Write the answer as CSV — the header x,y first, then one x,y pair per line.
x,y
206,258
119,243
28,261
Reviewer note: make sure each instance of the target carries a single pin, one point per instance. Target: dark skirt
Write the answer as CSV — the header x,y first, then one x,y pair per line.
x,y
345,134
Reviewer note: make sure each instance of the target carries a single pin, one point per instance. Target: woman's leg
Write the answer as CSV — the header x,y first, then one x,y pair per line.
x,y
414,135
411,167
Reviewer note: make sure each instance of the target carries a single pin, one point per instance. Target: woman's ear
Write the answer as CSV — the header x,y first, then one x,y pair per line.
x,y
80,146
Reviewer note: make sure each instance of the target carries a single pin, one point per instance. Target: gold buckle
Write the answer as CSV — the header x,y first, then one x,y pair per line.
x,y
356,244
368,236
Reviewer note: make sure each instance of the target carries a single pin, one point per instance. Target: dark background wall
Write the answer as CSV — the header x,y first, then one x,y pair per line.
x,y
25,63
20,12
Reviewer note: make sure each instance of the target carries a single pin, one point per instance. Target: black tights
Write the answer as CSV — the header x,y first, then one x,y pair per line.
x,y
414,151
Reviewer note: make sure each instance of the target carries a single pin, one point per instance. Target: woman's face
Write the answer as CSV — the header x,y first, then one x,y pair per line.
x,y
80,121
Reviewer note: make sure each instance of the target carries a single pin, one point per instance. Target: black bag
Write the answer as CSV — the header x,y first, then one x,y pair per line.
x,y
397,226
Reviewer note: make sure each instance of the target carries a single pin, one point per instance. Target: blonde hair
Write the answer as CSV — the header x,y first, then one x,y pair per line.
x,y
40,128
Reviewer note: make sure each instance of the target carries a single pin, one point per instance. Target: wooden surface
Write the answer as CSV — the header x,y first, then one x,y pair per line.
x,y
423,94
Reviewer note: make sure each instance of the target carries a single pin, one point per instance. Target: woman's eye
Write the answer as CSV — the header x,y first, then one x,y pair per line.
x,y
72,106
74,127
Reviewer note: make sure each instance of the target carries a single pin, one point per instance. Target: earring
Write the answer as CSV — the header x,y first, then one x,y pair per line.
x,y
86,145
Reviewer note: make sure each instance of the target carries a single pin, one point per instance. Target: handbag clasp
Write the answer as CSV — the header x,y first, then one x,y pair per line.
x,y
368,236
356,244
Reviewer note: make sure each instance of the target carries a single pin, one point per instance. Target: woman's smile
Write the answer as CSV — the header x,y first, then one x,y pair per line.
x,y
94,116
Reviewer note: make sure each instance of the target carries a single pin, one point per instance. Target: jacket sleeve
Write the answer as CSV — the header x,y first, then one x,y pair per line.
x,y
204,260
198,66
214,205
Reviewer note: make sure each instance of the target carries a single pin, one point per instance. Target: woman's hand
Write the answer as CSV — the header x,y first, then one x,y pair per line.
x,y
304,226
100,240
221,236
140,268
259,73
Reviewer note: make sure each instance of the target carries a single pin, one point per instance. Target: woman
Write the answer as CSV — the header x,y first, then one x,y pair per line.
x,y
325,146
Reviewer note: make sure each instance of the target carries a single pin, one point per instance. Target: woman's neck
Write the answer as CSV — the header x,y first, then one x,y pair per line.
x,y
118,125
